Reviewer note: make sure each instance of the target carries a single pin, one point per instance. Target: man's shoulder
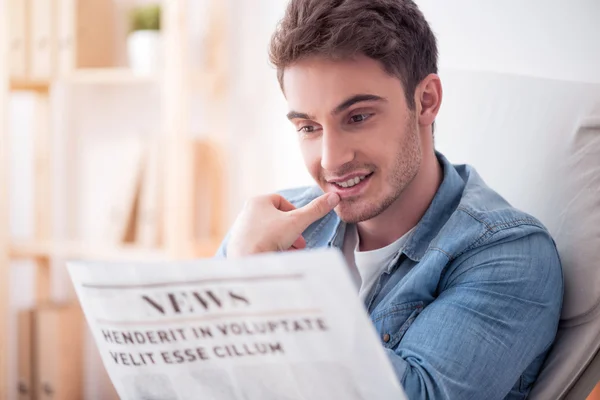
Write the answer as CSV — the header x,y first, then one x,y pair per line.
x,y
485,230
483,217
488,205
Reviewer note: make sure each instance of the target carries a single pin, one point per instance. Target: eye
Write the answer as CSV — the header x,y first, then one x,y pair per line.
x,y
306,129
359,118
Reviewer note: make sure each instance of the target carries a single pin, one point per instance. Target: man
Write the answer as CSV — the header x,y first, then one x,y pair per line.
x,y
464,290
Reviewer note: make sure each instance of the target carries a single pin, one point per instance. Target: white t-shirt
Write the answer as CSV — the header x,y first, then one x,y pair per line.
x,y
367,266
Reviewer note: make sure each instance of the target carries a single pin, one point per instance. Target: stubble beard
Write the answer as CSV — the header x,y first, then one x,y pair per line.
x,y
405,169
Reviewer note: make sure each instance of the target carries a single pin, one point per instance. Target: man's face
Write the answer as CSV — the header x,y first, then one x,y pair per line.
x,y
357,135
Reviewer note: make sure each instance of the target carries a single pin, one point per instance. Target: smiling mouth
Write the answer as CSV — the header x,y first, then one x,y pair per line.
x,y
351,186
352,181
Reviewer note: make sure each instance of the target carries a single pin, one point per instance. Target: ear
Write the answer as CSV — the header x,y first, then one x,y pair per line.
x,y
428,99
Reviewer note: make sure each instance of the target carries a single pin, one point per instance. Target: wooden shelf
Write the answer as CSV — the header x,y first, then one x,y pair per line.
x,y
208,82
87,76
115,76
68,46
108,76
28,249
30,85
75,250
204,249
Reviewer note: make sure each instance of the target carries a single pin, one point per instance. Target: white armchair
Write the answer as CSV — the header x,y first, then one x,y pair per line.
x,y
537,141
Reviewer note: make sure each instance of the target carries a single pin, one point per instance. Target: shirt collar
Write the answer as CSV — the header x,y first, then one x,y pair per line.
x,y
441,208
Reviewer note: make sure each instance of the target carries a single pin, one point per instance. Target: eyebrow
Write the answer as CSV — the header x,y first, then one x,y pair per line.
x,y
349,102
359,98
298,115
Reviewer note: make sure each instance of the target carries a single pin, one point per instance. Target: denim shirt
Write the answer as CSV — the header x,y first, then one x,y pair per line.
x,y
469,307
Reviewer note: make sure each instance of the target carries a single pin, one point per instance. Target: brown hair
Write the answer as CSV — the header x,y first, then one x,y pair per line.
x,y
393,32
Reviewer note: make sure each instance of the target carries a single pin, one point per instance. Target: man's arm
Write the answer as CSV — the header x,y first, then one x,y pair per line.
x,y
497,312
222,250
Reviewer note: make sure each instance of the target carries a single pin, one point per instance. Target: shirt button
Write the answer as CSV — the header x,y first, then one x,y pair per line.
x,y
386,337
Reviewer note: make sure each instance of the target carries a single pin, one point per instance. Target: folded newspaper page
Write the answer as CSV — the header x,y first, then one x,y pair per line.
x,y
277,326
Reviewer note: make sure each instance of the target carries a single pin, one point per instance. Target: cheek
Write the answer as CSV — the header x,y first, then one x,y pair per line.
x,y
386,144
377,149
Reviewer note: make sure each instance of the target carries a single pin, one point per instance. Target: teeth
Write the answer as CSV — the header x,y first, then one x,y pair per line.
x,y
351,182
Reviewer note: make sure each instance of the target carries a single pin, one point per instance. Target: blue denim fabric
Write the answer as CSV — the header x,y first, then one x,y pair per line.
x,y
471,304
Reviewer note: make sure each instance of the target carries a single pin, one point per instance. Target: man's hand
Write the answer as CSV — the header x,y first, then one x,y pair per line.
x,y
271,223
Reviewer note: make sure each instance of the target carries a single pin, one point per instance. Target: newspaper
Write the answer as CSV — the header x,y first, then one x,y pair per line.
x,y
277,326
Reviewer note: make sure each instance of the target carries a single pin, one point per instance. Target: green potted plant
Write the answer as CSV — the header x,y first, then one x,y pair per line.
x,y
144,42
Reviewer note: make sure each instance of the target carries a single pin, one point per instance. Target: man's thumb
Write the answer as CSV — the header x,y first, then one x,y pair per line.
x,y
316,209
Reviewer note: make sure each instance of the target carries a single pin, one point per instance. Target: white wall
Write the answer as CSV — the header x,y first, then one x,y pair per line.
x,y
553,39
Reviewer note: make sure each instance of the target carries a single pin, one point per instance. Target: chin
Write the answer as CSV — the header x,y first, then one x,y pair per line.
x,y
352,213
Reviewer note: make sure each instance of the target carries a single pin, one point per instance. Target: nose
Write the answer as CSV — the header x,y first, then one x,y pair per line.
x,y
335,151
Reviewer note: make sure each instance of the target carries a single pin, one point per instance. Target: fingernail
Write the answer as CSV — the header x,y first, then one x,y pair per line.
x,y
333,199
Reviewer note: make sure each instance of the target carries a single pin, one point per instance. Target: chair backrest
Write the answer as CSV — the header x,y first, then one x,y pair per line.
x,y
537,142
570,370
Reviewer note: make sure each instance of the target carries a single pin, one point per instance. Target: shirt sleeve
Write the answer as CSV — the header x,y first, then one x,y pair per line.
x,y
497,311
222,250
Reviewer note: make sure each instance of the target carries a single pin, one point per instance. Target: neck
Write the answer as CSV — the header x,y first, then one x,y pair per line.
x,y
406,211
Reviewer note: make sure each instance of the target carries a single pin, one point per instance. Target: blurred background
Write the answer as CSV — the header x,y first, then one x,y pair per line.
x,y
135,130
